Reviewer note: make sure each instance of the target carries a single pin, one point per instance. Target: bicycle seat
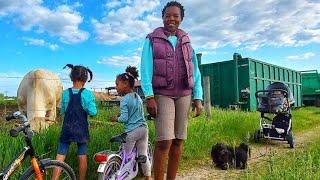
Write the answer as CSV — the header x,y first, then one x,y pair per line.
x,y
119,138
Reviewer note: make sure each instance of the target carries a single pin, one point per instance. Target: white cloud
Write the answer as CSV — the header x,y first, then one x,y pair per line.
x,y
304,56
133,59
113,3
62,22
245,24
9,82
130,22
36,42
40,42
53,47
252,24
120,60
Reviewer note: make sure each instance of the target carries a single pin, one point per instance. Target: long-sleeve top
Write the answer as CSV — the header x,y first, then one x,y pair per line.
x,y
147,70
131,112
88,101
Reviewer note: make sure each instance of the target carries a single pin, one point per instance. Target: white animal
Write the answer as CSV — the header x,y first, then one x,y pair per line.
x,y
38,95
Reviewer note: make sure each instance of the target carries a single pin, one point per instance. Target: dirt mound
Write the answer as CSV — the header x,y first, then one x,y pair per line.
x,y
101,96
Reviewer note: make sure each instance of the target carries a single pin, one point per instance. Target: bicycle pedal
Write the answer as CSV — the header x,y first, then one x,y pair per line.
x,y
141,159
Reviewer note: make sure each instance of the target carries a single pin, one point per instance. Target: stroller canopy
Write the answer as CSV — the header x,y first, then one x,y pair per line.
x,y
282,86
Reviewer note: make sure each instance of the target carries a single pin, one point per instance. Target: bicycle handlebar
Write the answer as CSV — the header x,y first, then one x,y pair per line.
x,y
17,115
15,131
10,117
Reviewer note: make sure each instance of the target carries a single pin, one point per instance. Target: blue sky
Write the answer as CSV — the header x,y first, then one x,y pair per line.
x,y
107,35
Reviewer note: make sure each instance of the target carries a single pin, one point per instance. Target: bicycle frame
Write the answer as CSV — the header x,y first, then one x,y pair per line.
x,y
119,164
7,172
129,166
27,151
13,165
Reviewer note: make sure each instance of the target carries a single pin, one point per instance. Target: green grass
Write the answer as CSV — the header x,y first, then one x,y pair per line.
x,y
225,126
305,118
233,127
8,104
295,165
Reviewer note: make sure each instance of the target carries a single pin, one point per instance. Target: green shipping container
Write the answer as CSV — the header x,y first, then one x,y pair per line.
x,y
233,83
310,87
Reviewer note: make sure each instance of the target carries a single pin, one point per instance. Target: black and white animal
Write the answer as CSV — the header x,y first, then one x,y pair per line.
x,y
224,156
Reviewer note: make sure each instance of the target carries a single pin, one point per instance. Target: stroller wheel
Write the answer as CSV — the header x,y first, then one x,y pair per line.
x,y
257,136
290,139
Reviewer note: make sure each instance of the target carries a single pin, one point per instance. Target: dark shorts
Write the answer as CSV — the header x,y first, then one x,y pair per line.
x,y
63,148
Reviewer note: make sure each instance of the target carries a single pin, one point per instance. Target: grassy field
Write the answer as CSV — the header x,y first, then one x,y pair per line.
x,y
228,126
7,105
295,165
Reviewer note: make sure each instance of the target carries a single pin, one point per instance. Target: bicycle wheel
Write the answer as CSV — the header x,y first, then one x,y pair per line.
x,y
113,165
48,167
150,154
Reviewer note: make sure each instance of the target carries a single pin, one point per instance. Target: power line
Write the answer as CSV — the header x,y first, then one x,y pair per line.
x,y
62,79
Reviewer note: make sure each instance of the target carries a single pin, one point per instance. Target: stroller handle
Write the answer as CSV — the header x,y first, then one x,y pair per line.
x,y
284,92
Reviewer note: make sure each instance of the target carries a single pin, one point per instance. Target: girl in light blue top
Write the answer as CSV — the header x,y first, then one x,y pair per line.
x,y
132,116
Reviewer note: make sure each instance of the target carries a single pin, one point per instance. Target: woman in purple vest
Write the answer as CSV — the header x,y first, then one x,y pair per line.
x,y
170,78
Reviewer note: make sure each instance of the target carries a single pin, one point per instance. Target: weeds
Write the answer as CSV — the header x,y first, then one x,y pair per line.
x,y
231,127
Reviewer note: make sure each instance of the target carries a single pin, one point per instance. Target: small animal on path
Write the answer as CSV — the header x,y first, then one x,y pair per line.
x,y
222,155
225,156
241,155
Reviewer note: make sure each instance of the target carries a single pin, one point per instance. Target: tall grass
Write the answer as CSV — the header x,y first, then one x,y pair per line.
x,y
295,165
228,126
305,118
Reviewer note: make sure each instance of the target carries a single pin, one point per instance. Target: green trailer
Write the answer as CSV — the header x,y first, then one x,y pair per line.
x,y
233,83
310,88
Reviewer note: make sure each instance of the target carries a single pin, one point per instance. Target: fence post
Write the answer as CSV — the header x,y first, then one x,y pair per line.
x,y
207,100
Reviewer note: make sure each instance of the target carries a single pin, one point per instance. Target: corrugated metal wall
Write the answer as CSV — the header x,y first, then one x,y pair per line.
x,y
230,85
311,87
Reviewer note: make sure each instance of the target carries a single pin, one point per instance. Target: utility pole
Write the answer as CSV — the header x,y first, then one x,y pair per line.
x,y
207,99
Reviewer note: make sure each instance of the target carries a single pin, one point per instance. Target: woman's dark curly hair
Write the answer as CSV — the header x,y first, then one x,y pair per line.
x,y
79,73
130,75
173,3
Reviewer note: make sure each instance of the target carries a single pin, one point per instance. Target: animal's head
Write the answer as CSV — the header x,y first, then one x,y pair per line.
x,y
245,147
221,155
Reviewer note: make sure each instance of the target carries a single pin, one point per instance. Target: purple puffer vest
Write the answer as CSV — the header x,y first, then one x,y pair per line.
x,y
172,69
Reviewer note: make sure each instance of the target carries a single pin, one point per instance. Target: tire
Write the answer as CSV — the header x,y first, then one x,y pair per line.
x,y
150,154
113,165
48,167
257,136
290,139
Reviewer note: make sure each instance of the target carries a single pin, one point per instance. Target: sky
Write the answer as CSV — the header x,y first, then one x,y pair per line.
x,y
108,35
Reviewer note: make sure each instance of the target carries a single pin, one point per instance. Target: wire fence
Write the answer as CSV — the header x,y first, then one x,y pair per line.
x,y
9,84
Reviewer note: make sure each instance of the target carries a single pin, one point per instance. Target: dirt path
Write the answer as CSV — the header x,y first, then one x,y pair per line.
x,y
259,153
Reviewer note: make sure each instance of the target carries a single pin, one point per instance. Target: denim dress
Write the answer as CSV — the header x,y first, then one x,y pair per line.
x,y
75,126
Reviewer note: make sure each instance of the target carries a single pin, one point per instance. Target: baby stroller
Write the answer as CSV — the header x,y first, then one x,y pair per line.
x,y
277,100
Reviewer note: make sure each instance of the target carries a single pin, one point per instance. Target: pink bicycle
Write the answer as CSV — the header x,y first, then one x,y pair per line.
x,y
118,165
